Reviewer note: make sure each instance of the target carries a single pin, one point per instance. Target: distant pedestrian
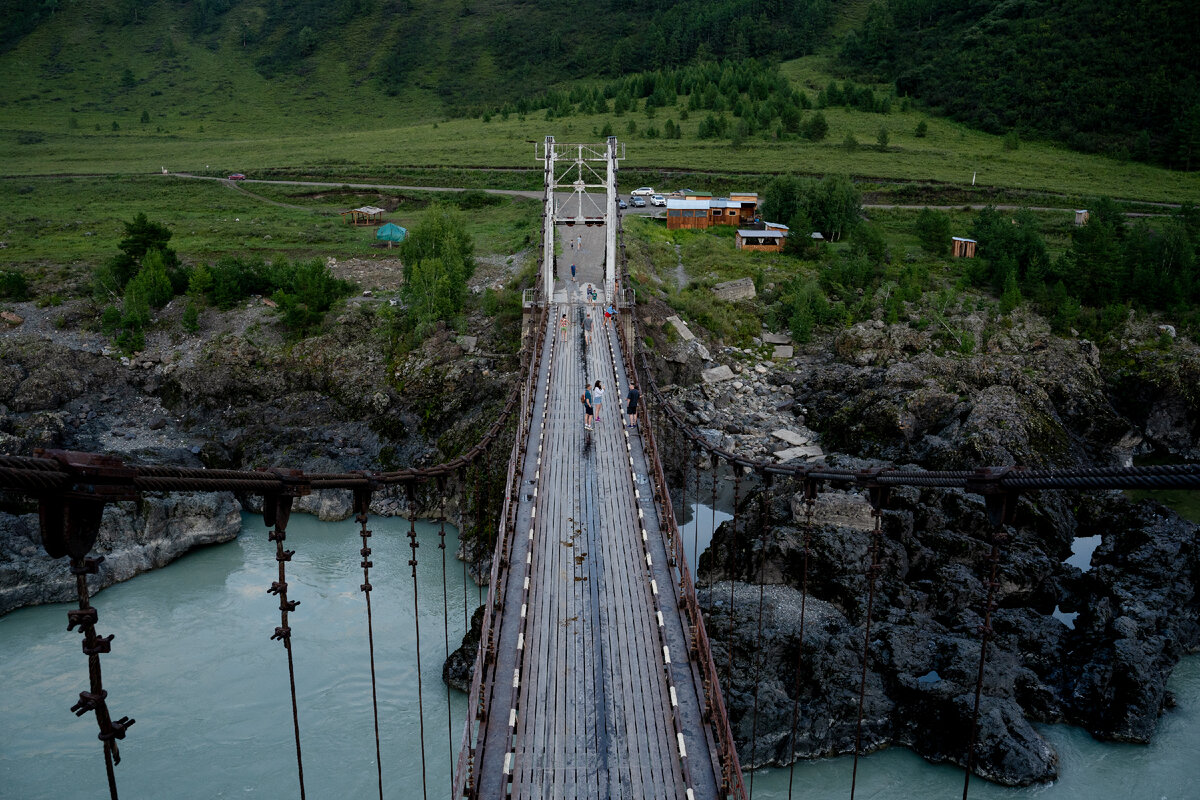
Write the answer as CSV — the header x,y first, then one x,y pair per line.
x,y
607,316
587,328
562,324
610,313
586,400
631,407
597,398
579,242
572,273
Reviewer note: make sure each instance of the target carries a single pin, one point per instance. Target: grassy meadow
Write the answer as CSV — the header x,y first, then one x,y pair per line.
x,y
94,119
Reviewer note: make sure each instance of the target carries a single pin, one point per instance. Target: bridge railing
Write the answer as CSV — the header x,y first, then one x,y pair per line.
x,y
999,487
72,489
484,673
628,331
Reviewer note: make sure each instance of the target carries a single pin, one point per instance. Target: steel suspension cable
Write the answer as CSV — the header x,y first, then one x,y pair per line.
x,y
762,560
279,509
877,513
737,491
694,453
412,562
462,544
362,504
810,500
93,645
446,618
998,536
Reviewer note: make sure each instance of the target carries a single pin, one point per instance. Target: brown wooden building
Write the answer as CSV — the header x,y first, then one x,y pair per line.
x,y
769,241
963,248
702,211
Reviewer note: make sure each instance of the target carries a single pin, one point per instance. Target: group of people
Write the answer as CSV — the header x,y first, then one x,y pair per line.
x,y
593,399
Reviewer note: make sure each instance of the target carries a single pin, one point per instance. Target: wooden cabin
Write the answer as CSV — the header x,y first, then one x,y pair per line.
x,y
749,204
687,214
962,248
698,211
722,211
769,241
1082,216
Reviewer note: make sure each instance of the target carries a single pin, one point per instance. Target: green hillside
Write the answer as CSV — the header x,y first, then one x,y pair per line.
x,y
1121,78
400,90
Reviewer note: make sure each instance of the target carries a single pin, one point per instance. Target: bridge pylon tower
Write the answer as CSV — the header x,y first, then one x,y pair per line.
x,y
576,169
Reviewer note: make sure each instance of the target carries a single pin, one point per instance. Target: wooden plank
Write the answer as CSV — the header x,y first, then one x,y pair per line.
x,y
595,717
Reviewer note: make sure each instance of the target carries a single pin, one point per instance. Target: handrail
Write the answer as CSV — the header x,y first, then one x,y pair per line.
x,y
482,677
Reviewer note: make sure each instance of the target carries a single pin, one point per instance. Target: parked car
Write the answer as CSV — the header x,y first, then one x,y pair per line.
x,y
237,176
637,202
621,203
658,200
681,193
644,191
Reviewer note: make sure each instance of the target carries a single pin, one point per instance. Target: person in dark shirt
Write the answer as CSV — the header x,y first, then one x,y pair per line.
x,y
631,407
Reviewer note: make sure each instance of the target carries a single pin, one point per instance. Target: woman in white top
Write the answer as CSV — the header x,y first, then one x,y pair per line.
x,y
597,398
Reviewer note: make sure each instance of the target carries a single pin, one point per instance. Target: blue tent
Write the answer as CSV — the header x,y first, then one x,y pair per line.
x,y
391,233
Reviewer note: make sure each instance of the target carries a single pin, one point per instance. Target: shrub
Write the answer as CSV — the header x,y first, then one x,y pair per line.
x,y
933,230
191,318
13,285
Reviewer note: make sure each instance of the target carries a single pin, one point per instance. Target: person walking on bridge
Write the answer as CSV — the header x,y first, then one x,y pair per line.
x,y
597,398
631,407
562,326
587,327
586,400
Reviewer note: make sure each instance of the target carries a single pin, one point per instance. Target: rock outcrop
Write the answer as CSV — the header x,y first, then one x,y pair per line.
x,y
1138,611
134,537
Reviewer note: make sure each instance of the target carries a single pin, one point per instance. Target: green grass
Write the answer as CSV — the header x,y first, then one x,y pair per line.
x,y
57,229
211,113
1183,502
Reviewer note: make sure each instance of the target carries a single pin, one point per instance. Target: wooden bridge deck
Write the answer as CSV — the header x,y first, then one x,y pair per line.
x,y
593,714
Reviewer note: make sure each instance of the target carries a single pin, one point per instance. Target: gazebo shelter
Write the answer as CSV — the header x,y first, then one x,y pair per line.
x,y
367,215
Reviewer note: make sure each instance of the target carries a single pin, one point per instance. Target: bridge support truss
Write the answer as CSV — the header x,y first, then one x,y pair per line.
x,y
574,169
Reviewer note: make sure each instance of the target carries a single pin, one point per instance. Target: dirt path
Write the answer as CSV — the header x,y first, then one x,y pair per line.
x,y
370,186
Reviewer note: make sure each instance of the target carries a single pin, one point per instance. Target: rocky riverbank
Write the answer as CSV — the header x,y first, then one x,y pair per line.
x,y
236,395
1091,646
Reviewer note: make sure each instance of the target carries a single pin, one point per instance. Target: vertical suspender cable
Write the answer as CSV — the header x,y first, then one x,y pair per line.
x,y
715,463
441,484
986,633
810,500
695,454
279,507
737,496
462,546
877,512
362,504
762,559
412,562
93,645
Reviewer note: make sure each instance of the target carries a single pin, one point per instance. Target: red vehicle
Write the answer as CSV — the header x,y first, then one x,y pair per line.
x,y
237,176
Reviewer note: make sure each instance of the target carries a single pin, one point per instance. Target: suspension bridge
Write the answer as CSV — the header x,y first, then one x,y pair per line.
x,y
594,676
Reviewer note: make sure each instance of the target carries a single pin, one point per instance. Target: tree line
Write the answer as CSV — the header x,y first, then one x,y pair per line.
x,y
1115,78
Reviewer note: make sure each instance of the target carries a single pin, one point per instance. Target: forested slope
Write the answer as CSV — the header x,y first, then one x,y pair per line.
x,y
1114,76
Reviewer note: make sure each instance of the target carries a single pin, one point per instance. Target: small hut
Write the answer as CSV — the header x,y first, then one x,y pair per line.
x,y
367,215
770,241
1082,216
963,248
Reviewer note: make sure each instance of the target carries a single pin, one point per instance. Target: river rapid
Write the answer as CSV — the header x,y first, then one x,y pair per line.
x,y
192,661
